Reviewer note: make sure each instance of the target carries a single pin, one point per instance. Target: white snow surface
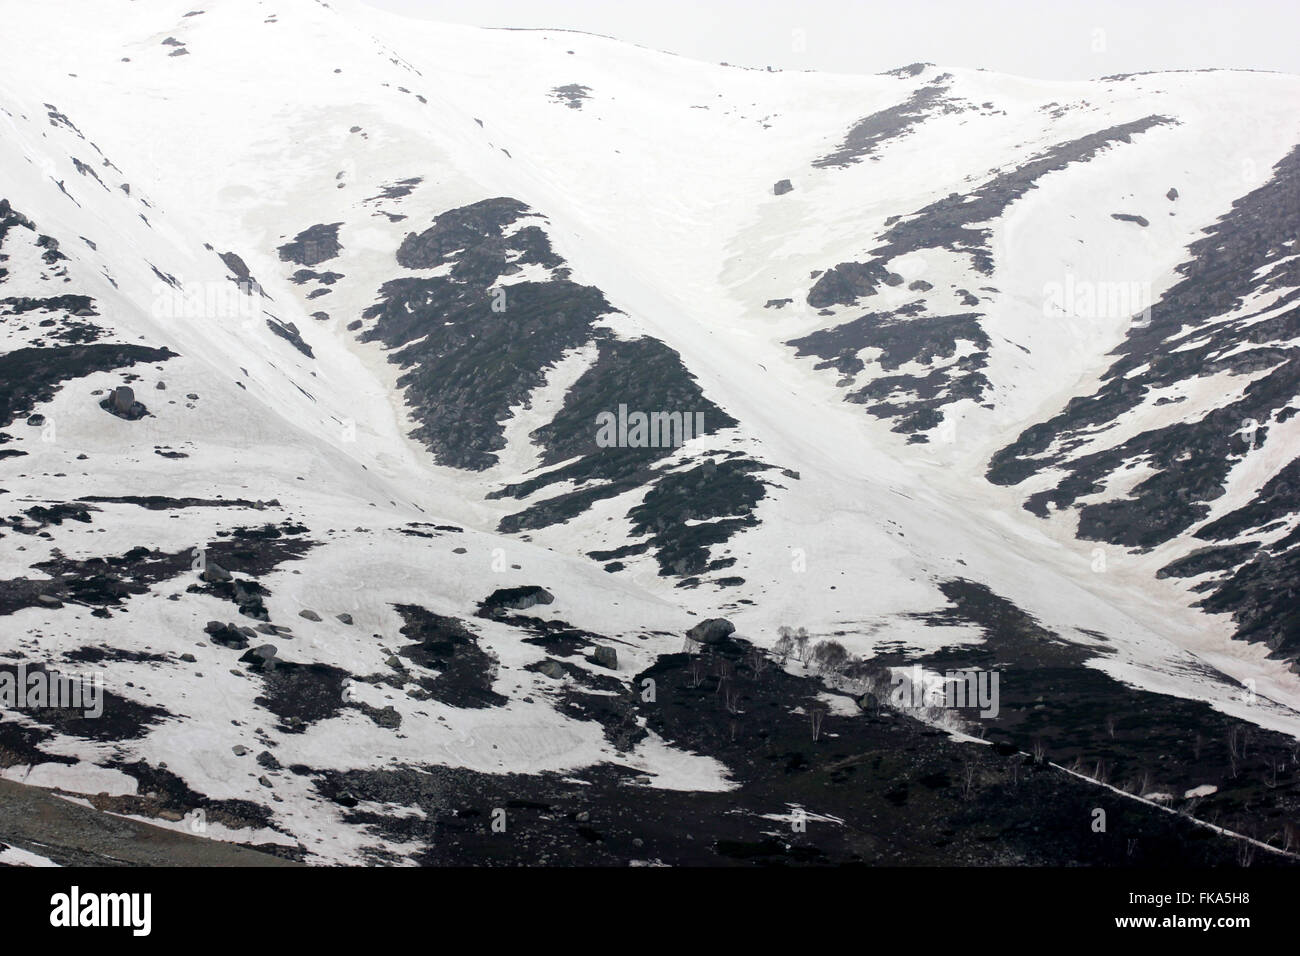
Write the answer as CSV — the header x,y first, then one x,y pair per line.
x,y
657,191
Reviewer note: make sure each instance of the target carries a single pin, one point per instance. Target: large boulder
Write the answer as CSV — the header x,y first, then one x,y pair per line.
x,y
713,631
518,599
122,403
123,399
228,635
552,669
214,573
261,657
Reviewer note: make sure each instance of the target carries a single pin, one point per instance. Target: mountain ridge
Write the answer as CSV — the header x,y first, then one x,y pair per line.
x,y
421,276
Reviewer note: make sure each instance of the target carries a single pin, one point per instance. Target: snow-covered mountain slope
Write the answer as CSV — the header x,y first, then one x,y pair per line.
x,y
373,282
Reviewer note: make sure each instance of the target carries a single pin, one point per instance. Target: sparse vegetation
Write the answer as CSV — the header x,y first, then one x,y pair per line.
x,y
816,716
829,656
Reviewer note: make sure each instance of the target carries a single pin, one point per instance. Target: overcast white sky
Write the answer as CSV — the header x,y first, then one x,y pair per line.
x,y
1048,39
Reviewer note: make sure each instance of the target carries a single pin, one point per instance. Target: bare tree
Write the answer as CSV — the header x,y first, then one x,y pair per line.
x,y
967,780
1110,725
801,644
724,673
1273,766
1234,749
1234,741
816,714
1040,751
1144,783
697,670
829,656
1245,853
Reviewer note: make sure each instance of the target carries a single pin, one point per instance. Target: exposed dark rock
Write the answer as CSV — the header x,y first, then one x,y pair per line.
x,y
32,375
229,635
1194,330
552,669
308,275
956,224
518,599
214,573
713,631
689,511
470,353
571,95
892,122
237,266
1129,217
289,332
465,671
312,246
123,403
403,187
639,374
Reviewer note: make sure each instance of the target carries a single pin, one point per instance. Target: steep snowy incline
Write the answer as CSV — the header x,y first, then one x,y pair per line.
x,y
372,282
685,239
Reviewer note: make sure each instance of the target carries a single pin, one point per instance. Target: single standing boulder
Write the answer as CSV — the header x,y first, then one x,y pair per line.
x,y
552,669
121,402
214,573
518,599
713,631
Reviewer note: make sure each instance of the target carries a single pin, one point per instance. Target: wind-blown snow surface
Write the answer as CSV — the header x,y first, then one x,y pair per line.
x,y
466,243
